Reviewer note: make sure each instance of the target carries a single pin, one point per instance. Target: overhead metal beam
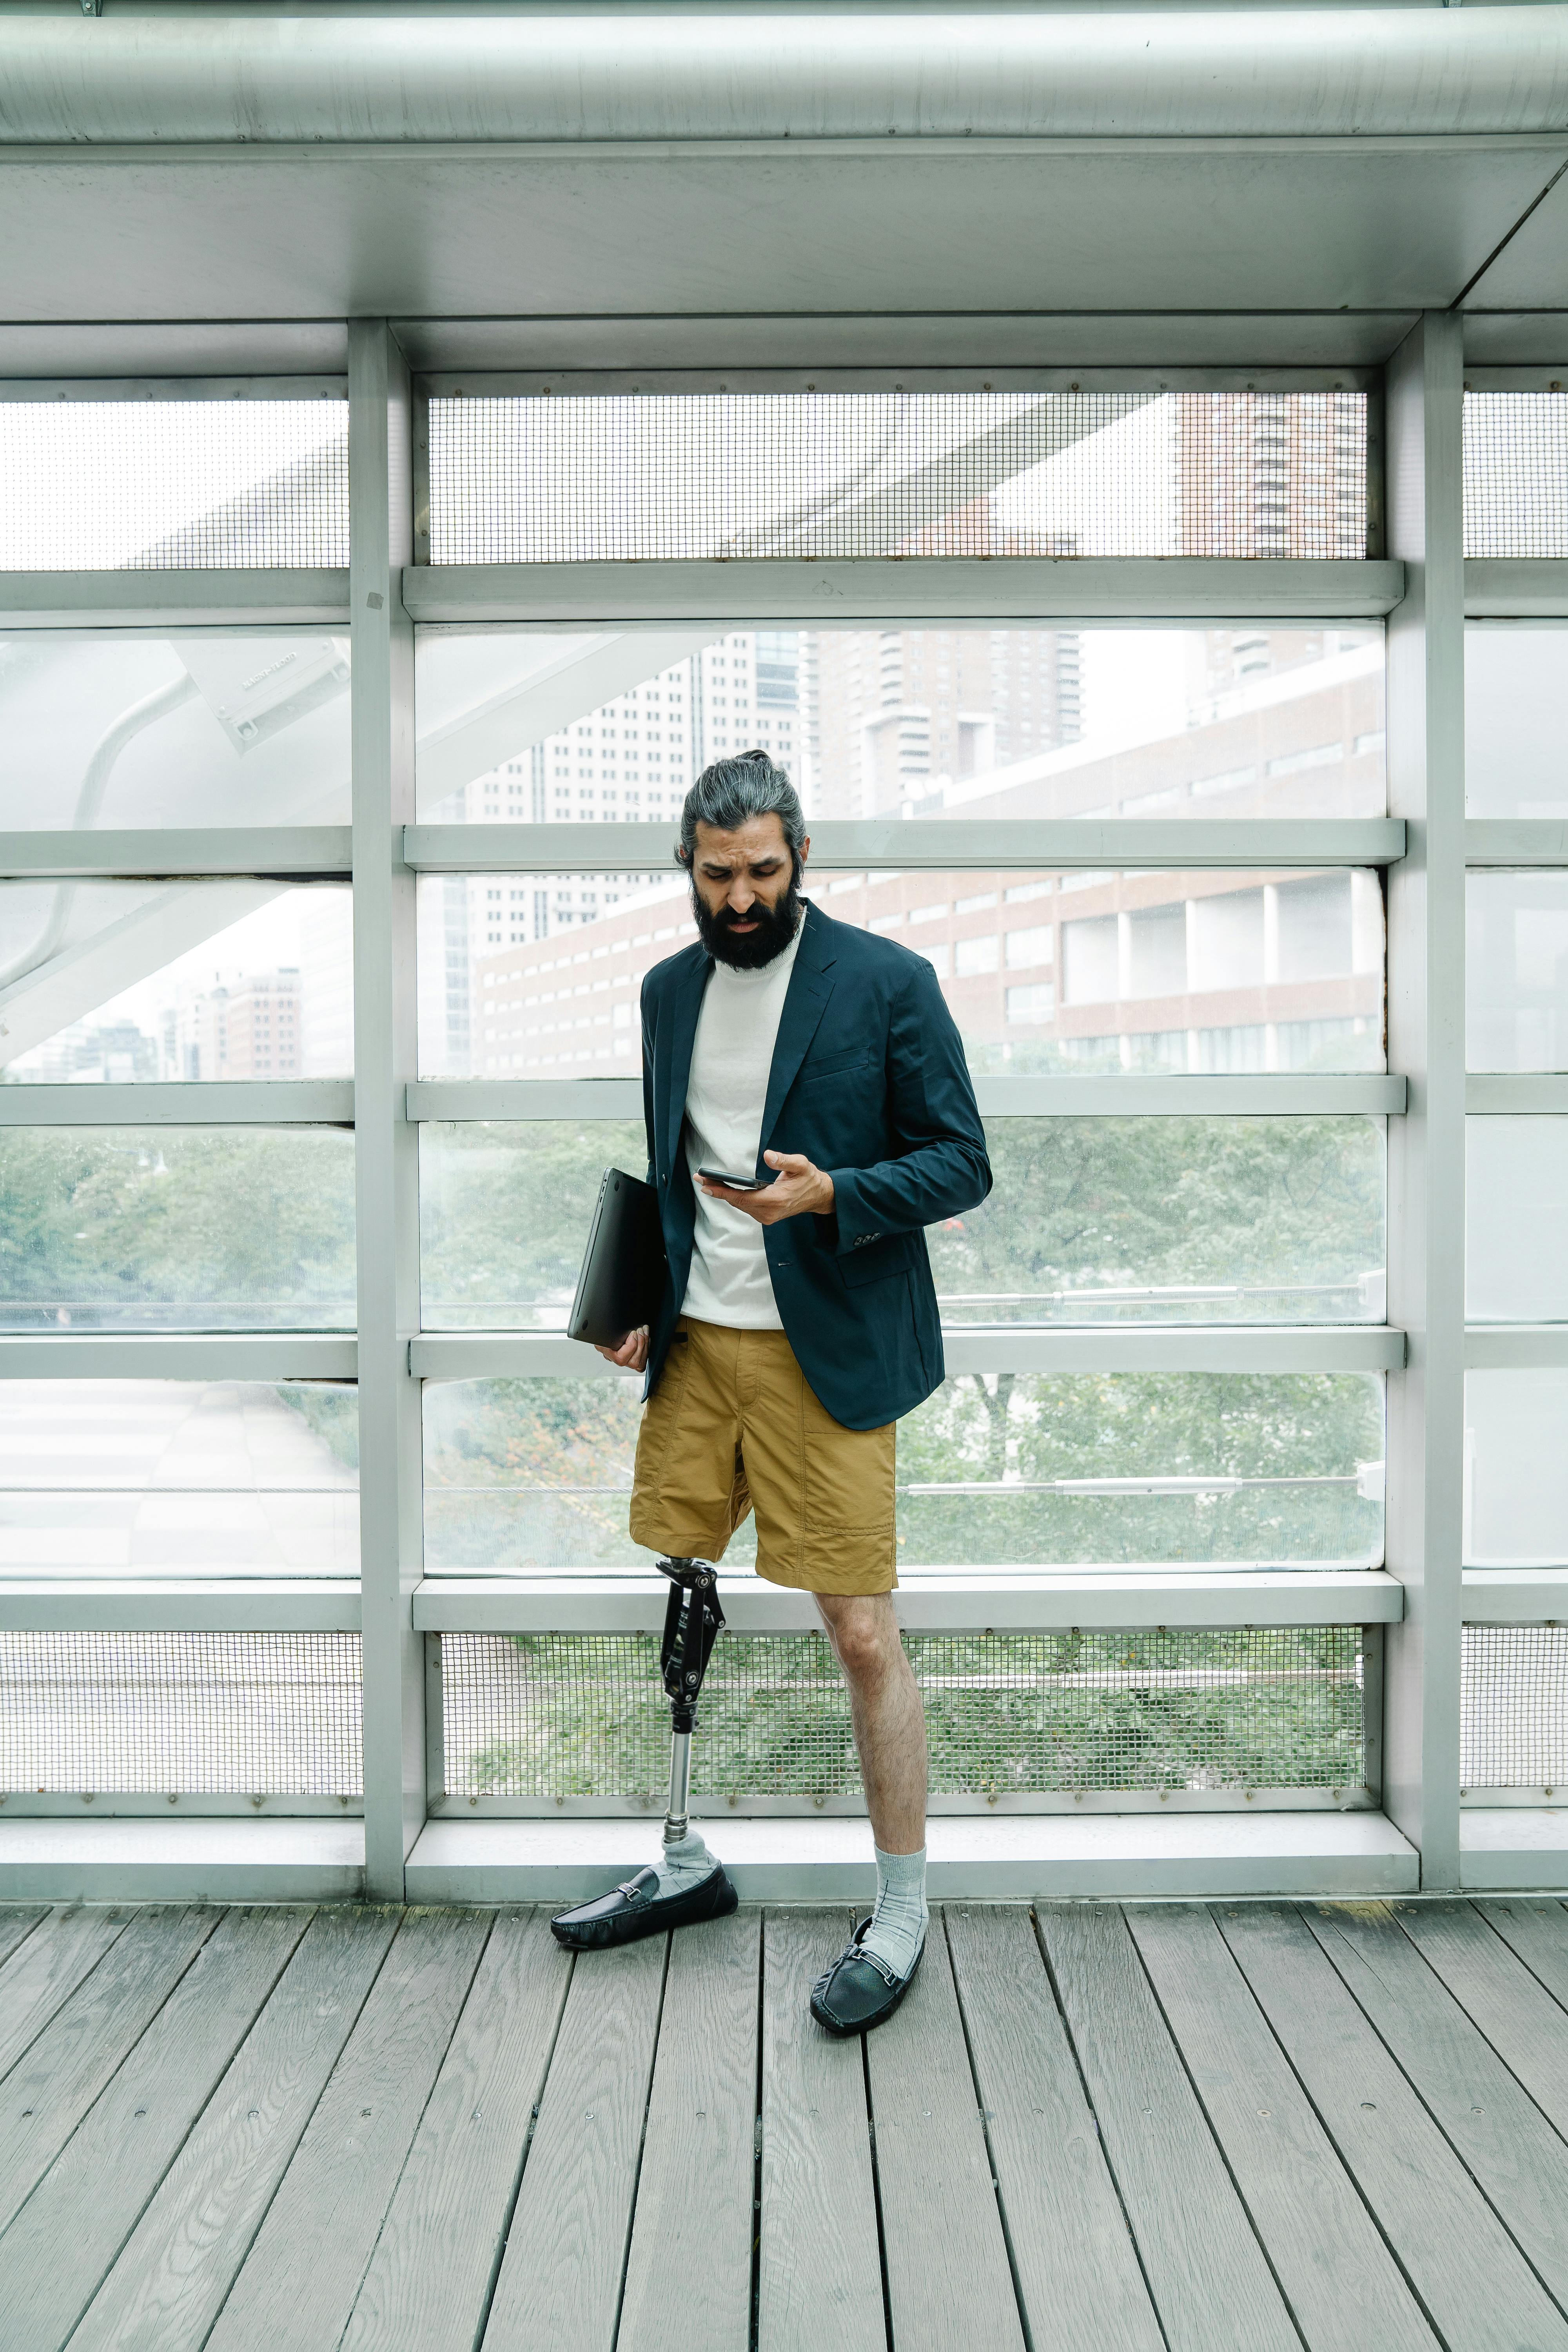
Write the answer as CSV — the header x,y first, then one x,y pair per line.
x,y
906,592
173,600
939,845
645,74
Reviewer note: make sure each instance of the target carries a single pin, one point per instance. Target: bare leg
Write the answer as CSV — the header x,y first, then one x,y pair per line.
x,y
885,1706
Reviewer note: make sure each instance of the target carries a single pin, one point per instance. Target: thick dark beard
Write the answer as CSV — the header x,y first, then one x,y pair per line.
x,y
748,950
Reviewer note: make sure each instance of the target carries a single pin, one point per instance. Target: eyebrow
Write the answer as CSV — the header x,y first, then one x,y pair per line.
x,y
753,865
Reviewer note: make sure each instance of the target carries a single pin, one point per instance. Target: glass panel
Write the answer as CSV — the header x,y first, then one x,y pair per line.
x,y
260,985
533,1475
1516,971
532,478
1516,1469
176,1229
1516,718
521,726
1516,1220
537,975
1516,474
137,1478
202,728
1207,1221
173,484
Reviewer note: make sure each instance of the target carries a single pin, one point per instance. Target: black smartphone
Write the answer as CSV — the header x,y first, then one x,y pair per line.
x,y
737,1183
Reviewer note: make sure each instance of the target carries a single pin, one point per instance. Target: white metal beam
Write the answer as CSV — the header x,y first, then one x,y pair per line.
x,y
1499,588
1513,841
127,1604
225,1102
386,1145
943,845
1044,1095
1516,1596
177,1356
930,592
1123,1348
1509,1094
1522,1347
1427,1038
1035,1600
171,600
299,852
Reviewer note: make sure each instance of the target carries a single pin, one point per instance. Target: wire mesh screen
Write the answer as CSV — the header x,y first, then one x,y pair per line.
x,y
1513,1707
1516,473
523,478
173,484
559,1715
186,1714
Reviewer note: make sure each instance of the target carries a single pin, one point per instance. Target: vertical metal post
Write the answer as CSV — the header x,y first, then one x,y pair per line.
x,y
1423,420
387,1188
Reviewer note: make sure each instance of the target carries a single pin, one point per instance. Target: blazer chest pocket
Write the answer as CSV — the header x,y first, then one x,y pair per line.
x,y
835,1065
876,1260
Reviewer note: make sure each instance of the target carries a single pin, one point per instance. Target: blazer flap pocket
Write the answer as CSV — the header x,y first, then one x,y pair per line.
x,y
833,1065
876,1260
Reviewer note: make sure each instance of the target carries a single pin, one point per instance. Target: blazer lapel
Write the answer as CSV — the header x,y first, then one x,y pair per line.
x,y
686,1006
805,1000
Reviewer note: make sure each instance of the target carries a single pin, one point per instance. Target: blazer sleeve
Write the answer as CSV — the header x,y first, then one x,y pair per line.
x,y
644,1014
938,1167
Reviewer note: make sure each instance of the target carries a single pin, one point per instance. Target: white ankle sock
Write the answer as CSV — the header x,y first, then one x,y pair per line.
x,y
898,1923
686,1866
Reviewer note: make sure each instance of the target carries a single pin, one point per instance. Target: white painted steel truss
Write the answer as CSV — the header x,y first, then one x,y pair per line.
x,y
1421,584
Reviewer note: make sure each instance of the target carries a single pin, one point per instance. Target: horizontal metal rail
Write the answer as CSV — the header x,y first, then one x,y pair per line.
x,y
304,595
40,1604
939,845
915,591
1508,1093
1508,588
298,852
1047,1094
182,1356
223,1102
1523,1347
1529,841
1515,1596
1126,1348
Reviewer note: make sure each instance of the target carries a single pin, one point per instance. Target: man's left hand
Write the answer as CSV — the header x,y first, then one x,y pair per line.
x,y
797,1189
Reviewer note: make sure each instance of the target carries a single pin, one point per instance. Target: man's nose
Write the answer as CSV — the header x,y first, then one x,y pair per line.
x,y
740,895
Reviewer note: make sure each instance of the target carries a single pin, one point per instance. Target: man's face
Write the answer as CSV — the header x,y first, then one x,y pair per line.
x,y
743,891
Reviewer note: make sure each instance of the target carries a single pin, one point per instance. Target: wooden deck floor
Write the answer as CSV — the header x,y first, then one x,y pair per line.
x,y
1164,2128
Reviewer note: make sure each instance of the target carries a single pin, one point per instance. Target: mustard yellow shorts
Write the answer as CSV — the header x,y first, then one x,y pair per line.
x,y
732,1427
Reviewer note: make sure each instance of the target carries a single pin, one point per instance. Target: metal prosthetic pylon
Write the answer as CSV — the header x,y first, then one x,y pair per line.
x,y
692,1619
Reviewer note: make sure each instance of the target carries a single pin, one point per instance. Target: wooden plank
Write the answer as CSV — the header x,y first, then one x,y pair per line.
x,y
1337,2276
1506,2142
1525,2026
18,1921
1472,2280
1211,2284
560,2282
51,2087
1536,1929
695,2221
819,2189
298,2283
949,2281
169,2284
434,2263
64,2239
44,1972
1073,2254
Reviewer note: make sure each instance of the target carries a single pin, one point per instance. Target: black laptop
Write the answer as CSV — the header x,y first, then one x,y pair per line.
x,y
622,1279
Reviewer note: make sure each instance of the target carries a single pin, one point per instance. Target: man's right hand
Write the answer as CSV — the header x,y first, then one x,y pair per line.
x,y
632,1353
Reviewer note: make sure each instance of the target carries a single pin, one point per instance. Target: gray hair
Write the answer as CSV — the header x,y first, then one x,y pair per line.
x,y
726,794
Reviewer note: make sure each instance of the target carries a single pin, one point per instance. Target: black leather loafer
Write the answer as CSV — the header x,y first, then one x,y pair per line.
x,y
859,1991
638,1909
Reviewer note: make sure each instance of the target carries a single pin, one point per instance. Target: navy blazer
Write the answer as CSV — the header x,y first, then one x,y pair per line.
x,y
869,1080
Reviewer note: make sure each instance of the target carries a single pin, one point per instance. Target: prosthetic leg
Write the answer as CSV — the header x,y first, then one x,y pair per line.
x,y
693,1885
